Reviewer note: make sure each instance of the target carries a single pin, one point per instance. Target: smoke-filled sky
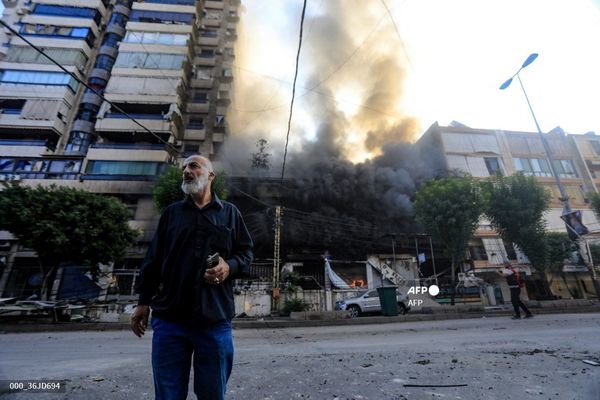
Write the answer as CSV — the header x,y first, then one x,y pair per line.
x,y
373,79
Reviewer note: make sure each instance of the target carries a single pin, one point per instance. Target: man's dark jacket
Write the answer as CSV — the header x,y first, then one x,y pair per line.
x,y
171,277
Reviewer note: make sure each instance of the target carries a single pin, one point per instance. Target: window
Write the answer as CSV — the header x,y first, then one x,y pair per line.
x,y
111,39
207,53
11,106
124,168
119,19
212,33
204,73
493,166
156,38
105,62
196,123
200,97
6,164
64,11
149,60
59,31
478,253
565,168
533,166
161,17
38,78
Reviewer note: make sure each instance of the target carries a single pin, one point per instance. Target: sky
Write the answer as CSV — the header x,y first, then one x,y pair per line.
x,y
391,75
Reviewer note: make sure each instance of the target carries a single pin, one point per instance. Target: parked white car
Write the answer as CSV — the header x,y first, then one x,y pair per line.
x,y
368,301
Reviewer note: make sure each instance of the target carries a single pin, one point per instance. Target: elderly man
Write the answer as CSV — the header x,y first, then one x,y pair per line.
x,y
192,302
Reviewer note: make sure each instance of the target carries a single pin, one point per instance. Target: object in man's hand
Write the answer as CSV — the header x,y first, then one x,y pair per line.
x,y
212,261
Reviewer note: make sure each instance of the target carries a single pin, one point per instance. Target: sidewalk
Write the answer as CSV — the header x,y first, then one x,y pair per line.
x,y
324,319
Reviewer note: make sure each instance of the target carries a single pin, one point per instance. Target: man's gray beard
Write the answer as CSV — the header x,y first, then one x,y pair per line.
x,y
195,186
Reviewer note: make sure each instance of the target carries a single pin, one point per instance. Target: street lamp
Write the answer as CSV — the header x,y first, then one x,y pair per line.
x,y
577,228
563,195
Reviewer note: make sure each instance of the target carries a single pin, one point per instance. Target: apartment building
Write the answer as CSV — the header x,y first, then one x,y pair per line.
x,y
484,153
164,63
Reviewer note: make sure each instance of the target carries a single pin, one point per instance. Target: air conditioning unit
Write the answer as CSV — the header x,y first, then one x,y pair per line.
x,y
219,50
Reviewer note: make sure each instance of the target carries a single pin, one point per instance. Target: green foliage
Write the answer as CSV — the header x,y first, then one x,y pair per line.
x,y
449,209
66,225
295,304
292,280
560,248
595,250
595,202
515,206
168,188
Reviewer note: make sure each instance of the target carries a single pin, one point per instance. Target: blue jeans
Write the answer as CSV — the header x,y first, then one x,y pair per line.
x,y
173,348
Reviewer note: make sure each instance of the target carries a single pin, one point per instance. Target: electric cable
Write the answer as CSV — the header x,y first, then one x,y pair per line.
x,y
398,33
293,90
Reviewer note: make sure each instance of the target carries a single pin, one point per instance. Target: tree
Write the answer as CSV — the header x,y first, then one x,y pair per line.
x,y
260,159
515,206
66,225
168,188
560,248
449,209
594,199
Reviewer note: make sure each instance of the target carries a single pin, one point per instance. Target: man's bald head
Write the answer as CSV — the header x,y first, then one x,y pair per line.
x,y
197,174
205,162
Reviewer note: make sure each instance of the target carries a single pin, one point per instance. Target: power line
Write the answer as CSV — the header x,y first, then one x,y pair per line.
x,y
312,88
309,90
287,139
398,33
87,86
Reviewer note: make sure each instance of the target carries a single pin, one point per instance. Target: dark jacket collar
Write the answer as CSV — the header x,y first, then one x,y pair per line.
x,y
215,202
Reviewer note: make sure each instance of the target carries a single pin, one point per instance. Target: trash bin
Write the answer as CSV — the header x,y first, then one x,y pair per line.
x,y
388,300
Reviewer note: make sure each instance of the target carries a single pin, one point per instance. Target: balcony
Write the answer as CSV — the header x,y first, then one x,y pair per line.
x,y
198,83
214,4
205,61
194,134
134,153
201,108
125,124
208,41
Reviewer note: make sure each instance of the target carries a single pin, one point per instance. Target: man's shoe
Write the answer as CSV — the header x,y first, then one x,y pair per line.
x,y
529,316
516,317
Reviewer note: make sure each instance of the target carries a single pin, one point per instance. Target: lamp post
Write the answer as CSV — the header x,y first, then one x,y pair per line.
x,y
564,198
563,194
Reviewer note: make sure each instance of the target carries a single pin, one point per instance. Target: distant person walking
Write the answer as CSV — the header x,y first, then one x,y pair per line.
x,y
513,279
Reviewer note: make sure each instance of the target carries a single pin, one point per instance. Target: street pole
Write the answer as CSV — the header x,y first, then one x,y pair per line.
x,y
276,261
564,198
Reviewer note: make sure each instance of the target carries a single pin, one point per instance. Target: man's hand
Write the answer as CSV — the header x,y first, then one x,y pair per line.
x,y
218,273
139,320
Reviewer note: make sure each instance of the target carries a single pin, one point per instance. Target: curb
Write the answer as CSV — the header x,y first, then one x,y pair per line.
x,y
289,323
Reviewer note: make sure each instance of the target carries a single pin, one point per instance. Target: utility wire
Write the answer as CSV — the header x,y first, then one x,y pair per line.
x,y
398,33
312,88
7,26
287,139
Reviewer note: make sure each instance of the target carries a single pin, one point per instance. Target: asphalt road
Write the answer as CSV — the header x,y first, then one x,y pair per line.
x,y
490,358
